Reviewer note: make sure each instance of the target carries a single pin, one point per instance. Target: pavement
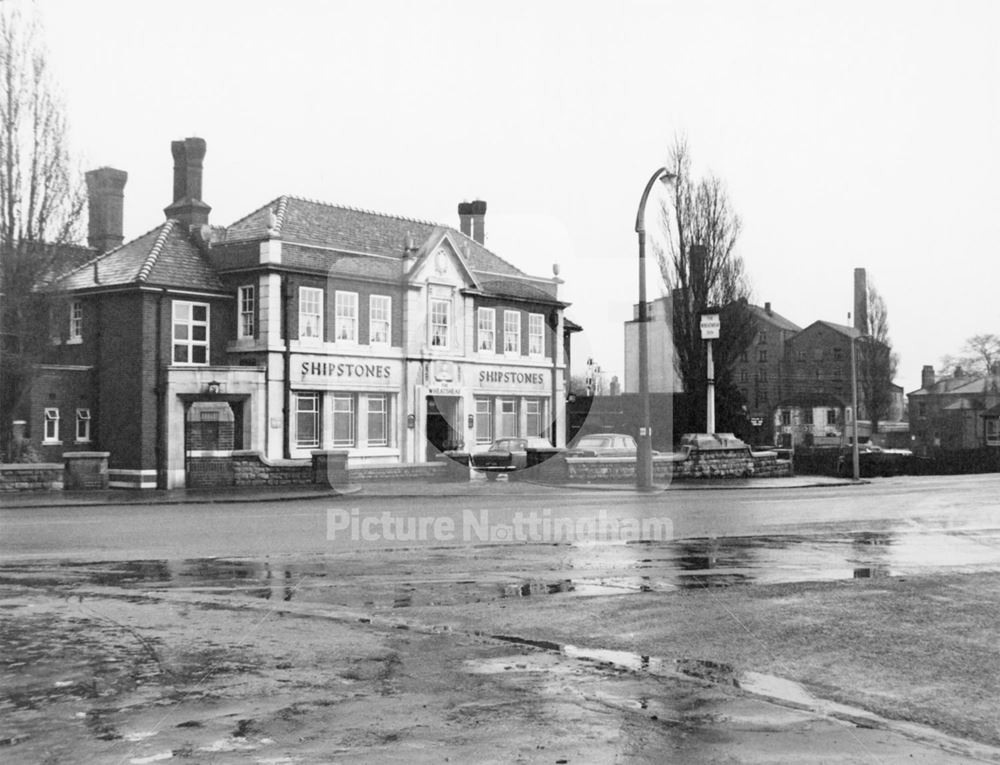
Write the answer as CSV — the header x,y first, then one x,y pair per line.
x,y
477,486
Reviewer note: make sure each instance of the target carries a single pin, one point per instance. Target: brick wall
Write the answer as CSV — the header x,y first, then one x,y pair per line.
x,y
37,476
717,463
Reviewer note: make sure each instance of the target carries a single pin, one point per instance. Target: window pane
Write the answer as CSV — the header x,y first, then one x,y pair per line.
x,y
180,354
199,312
199,354
377,431
343,420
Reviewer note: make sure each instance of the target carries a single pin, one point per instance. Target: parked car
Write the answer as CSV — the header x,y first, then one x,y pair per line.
x,y
873,460
506,455
603,445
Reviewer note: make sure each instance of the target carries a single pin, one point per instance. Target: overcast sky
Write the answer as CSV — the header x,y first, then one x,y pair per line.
x,y
850,134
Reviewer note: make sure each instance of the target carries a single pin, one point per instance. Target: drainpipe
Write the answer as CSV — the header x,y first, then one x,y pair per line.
x,y
160,446
286,298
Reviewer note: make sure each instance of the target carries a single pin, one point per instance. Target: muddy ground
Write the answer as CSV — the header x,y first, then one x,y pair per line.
x,y
113,663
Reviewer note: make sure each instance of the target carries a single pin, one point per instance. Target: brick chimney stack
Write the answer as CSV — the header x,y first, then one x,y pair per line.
x,y
472,219
861,301
187,206
927,376
105,202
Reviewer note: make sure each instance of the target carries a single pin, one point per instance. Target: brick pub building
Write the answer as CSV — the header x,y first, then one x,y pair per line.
x,y
302,326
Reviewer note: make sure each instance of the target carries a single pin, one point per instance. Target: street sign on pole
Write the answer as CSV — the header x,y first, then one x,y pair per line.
x,y
710,325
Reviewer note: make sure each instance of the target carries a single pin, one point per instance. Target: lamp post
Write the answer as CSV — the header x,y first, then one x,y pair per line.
x,y
644,443
855,457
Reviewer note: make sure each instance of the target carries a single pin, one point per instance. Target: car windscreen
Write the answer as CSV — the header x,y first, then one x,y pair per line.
x,y
594,443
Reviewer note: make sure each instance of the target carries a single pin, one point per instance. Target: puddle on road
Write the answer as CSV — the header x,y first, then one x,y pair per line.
x,y
577,570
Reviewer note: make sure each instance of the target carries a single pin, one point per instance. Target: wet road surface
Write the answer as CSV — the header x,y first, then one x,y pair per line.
x,y
311,652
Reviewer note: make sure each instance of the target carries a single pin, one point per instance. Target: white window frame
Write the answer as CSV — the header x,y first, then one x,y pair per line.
x,y
83,425
311,314
379,315
512,415
383,400
314,399
246,310
486,326
831,417
484,419
539,414
536,334
345,325
75,321
51,425
437,338
992,431
512,338
190,324
338,400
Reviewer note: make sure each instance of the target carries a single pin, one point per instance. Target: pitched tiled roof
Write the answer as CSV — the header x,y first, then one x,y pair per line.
x,y
163,257
304,221
841,328
773,318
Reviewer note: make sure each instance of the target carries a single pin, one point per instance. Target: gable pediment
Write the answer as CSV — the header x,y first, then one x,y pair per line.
x,y
440,262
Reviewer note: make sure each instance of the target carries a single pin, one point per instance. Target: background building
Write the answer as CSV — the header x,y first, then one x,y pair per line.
x,y
955,412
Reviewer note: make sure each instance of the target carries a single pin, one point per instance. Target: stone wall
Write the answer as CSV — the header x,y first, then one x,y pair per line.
x,y
408,472
31,476
251,469
716,463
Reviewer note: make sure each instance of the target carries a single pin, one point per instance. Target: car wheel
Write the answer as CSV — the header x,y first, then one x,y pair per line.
x,y
491,476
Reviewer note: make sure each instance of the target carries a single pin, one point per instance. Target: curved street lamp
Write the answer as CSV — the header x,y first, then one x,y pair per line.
x,y
644,443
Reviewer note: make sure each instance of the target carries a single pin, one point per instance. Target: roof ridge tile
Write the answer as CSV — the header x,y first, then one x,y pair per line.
x,y
155,250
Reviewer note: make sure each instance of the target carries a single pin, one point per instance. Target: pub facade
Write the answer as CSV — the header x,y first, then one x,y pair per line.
x,y
303,326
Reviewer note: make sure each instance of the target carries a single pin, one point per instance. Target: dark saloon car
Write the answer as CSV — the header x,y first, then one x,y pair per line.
x,y
603,445
506,455
874,461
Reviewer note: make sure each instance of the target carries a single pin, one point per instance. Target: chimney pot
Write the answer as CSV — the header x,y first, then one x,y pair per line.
x,y
105,202
927,376
861,301
471,218
188,207
767,308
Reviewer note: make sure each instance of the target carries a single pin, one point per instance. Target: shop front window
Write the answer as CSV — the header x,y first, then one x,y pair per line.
x,y
378,433
307,420
533,417
508,418
484,420
343,419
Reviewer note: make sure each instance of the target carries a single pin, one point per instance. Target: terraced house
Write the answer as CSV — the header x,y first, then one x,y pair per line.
x,y
302,326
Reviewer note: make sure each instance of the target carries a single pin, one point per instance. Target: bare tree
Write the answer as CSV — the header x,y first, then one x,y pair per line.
x,y
702,270
979,356
877,362
41,198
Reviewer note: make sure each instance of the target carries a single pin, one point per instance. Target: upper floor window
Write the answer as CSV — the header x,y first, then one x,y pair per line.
x,y
992,431
190,332
831,416
536,334
762,337
762,354
440,322
247,305
838,354
346,309
511,331
51,434
786,417
802,355
487,329
310,313
83,424
379,319
75,320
